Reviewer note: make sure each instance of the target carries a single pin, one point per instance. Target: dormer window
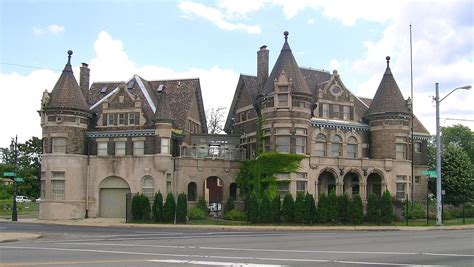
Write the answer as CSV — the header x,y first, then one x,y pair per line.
x,y
110,119
335,111
346,113
325,110
121,119
282,97
282,100
131,119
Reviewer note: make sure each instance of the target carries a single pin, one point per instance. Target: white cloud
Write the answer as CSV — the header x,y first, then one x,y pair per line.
x,y
51,29
311,21
215,16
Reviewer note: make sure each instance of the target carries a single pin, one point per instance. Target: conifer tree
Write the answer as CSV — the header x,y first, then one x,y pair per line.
x,y
299,208
386,208
276,209
310,209
158,207
287,210
181,208
322,211
332,207
169,208
357,210
372,209
265,210
343,205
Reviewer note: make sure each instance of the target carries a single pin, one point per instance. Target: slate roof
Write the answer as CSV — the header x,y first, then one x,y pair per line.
x,y
286,62
248,83
163,111
388,98
67,94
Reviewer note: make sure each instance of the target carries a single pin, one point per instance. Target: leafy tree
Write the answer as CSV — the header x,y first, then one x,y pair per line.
x,y
332,207
158,207
310,209
215,119
265,210
461,136
181,208
299,213
457,175
169,208
276,209
322,211
357,210
343,206
229,205
252,206
287,210
386,208
372,209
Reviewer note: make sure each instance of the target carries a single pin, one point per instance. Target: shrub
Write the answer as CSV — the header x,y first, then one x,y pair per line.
x,y
310,209
343,206
357,210
169,208
322,211
276,209
332,207
158,207
386,208
229,205
181,208
287,210
196,213
416,210
265,210
252,205
372,210
140,208
299,208
235,215
202,205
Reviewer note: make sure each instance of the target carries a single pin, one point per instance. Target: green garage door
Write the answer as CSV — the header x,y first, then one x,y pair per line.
x,y
113,202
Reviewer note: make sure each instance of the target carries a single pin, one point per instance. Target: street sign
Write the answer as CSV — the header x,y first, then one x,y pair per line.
x,y
9,174
19,179
431,174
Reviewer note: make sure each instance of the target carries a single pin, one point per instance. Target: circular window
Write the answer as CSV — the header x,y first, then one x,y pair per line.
x,y
336,90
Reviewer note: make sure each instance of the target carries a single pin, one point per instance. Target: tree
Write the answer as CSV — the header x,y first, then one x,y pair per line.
x,y
461,136
169,208
332,207
322,211
372,209
276,209
140,208
182,208
343,206
202,205
287,210
457,175
265,210
252,206
229,205
158,207
310,209
215,119
357,210
299,208
386,208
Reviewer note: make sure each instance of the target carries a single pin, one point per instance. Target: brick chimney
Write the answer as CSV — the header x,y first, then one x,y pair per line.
x,y
262,67
84,80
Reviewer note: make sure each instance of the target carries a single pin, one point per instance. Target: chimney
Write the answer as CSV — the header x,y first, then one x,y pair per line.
x,y
84,80
262,67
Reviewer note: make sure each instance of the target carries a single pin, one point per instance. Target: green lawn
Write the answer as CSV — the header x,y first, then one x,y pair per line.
x,y
22,208
457,221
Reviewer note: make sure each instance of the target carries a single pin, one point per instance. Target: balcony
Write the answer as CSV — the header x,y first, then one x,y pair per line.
x,y
212,152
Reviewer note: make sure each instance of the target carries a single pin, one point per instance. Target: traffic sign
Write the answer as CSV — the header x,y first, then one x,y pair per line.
x,y
9,174
431,174
19,179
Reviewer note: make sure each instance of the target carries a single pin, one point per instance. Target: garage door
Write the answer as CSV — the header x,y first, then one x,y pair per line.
x,y
113,202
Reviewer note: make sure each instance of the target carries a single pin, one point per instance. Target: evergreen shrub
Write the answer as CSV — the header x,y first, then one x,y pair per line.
x,y
235,215
169,208
287,210
357,210
386,208
182,208
343,206
299,215
140,208
310,209
332,207
372,209
252,206
229,205
265,210
322,211
196,213
276,209
158,207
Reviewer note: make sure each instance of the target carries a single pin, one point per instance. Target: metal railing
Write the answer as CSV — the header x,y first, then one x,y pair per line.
x,y
206,152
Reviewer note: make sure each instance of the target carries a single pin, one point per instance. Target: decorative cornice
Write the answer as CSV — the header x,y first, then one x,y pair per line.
x,y
339,125
126,133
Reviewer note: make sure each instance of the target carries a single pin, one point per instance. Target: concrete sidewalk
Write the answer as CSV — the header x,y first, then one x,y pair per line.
x,y
12,237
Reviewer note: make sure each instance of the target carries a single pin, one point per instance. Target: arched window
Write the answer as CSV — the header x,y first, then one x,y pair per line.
x,y
233,191
320,145
351,147
192,191
148,187
336,147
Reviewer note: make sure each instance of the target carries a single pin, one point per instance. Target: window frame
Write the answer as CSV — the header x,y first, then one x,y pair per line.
x,y
131,119
55,147
279,146
120,149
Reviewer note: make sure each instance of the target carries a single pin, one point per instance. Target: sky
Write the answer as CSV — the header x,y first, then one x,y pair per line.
x,y
217,40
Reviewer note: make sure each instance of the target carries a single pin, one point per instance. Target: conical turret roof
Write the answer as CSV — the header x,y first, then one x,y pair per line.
x,y
163,111
388,98
66,93
286,62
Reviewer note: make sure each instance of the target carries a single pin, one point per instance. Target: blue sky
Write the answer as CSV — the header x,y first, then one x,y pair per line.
x,y
218,40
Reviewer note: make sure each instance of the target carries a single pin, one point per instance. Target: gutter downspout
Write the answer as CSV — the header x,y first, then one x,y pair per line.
x,y
87,178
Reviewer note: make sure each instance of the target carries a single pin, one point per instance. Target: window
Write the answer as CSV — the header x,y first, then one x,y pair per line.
x,y
300,175
283,144
282,176
355,186
131,119
336,146
417,179
300,131
121,119
283,100
401,178
169,189
283,131
400,151
300,186
165,145
417,147
110,119
43,189
267,144
59,145
335,111
352,147
325,111
244,116
138,148
346,115
300,145
233,191
320,145
283,189
119,148
148,187
58,189
102,149
192,188
401,191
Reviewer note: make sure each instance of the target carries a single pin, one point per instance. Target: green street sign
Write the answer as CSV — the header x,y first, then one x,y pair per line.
x,y
9,174
431,174
19,179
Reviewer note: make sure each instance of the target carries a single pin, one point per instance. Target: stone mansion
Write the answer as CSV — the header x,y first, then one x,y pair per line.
x,y
104,140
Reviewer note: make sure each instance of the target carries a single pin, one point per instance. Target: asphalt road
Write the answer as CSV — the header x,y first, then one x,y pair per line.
x,y
125,246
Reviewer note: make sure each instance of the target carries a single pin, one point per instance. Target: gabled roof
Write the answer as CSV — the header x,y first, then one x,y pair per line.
x,y
248,83
286,62
67,94
314,77
388,98
163,111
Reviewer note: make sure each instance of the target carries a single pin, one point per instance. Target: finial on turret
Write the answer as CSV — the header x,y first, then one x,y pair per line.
x,y
286,35
69,52
388,60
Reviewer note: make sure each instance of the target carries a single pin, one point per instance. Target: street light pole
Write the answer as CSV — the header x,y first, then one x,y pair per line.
x,y
13,148
439,206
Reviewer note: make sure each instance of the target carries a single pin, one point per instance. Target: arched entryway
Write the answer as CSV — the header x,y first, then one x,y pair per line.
x,y
113,192
374,184
326,183
214,189
351,184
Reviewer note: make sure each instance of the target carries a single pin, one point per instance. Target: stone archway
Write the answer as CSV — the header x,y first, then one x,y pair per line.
x,y
113,192
326,183
374,184
351,183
